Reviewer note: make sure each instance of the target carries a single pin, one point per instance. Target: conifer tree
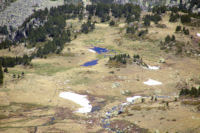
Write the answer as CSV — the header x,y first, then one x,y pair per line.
x,y
1,74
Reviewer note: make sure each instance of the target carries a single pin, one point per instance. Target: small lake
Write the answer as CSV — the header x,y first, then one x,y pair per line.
x,y
100,50
97,50
90,63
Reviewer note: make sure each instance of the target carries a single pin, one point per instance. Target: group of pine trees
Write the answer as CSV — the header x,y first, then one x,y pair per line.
x,y
169,39
45,23
148,18
6,44
193,92
132,30
184,30
185,19
174,17
159,9
168,43
6,71
120,58
54,22
1,74
125,58
103,10
12,61
4,30
86,27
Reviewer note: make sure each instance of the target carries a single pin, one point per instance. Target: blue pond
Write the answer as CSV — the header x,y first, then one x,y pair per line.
x,y
100,50
90,63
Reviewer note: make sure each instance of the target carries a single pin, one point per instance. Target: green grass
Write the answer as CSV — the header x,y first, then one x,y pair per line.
x,y
191,102
109,47
79,81
16,72
49,69
28,106
146,50
68,54
94,42
100,56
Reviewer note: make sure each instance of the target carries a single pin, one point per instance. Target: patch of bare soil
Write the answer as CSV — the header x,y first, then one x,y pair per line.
x,y
126,127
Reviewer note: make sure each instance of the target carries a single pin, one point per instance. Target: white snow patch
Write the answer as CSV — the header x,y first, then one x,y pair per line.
x,y
152,82
153,67
91,50
198,34
79,99
132,99
124,104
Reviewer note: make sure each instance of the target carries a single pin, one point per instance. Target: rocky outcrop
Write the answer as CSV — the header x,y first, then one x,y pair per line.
x,y
17,12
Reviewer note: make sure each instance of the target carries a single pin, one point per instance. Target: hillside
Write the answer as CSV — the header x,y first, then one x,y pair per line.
x,y
101,68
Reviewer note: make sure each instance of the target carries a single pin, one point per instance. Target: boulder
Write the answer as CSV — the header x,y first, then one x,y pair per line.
x,y
162,60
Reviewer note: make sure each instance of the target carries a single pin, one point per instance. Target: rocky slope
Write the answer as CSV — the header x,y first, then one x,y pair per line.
x,y
18,11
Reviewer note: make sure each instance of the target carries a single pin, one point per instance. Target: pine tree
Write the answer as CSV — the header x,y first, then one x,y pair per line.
x,y
167,39
173,38
6,70
1,74
112,22
178,28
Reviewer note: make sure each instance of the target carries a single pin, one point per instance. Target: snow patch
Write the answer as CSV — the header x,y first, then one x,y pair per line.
x,y
132,99
78,99
91,50
153,67
152,82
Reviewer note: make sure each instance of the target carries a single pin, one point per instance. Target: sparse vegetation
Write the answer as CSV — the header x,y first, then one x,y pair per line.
x,y
138,60
142,32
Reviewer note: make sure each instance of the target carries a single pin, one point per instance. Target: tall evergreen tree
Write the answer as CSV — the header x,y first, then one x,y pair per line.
x,y
1,74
